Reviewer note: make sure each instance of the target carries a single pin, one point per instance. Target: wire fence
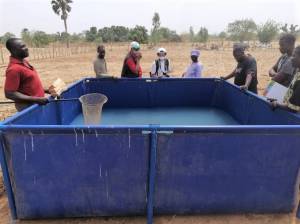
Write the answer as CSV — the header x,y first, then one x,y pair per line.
x,y
48,53
54,51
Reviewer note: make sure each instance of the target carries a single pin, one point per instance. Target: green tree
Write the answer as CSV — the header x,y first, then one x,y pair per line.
x,y
242,30
222,35
55,37
155,34
168,35
40,39
290,29
114,34
156,21
65,37
139,34
106,34
77,37
26,36
120,33
6,36
92,34
202,35
62,8
267,32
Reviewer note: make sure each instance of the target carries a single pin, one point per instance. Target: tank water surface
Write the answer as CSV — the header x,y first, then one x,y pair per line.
x,y
163,116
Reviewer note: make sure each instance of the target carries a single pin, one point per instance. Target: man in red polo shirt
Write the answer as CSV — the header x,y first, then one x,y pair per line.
x,y
22,83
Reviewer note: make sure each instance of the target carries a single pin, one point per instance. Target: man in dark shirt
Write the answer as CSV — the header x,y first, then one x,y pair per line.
x,y
245,74
283,71
291,100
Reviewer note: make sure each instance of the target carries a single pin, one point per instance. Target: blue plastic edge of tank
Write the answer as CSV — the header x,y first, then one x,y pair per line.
x,y
153,131
7,183
6,178
152,172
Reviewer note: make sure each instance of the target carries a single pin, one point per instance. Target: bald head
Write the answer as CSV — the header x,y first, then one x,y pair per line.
x,y
101,51
289,38
238,52
17,48
11,42
287,43
239,47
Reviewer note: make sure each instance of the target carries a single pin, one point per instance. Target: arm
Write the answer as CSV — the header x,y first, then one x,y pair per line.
x,y
251,70
47,91
22,98
286,73
11,86
153,70
279,77
138,59
198,71
170,69
231,75
272,71
134,67
292,102
184,74
248,81
274,104
99,72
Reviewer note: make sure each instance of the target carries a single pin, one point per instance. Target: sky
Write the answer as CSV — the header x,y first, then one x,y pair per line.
x,y
177,15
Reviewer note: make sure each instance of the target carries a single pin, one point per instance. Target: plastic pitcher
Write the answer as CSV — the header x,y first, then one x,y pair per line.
x,y
92,107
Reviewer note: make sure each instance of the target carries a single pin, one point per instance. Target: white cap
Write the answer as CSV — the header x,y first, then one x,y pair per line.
x,y
161,50
134,45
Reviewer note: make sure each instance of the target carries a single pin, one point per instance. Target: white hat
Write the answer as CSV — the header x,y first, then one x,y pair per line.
x,y
135,45
161,50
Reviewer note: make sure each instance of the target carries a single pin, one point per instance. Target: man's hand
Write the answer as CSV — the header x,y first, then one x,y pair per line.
x,y
273,104
138,55
41,100
244,88
272,73
52,91
57,87
271,99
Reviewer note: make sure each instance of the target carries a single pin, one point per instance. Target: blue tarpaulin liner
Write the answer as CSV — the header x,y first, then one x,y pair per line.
x,y
53,169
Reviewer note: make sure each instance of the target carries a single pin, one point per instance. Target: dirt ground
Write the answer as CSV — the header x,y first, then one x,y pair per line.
x,y
216,63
